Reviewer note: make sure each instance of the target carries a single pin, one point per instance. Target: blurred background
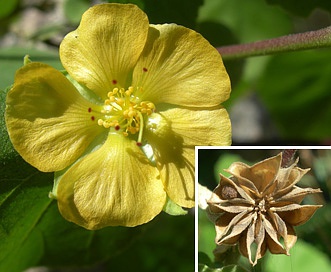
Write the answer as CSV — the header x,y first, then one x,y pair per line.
x,y
312,252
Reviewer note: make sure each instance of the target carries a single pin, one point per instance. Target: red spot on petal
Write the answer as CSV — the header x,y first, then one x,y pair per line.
x,y
117,127
92,118
89,110
139,144
145,69
114,81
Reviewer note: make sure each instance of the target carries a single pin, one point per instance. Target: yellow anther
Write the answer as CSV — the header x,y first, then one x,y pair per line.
x,y
151,105
124,112
100,122
120,101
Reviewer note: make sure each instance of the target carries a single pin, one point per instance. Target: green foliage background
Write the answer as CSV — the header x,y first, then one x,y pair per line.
x,y
291,92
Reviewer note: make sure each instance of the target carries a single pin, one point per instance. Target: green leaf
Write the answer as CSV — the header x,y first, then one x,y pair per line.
x,y
173,209
225,22
11,59
304,258
74,9
139,3
206,235
31,228
228,268
296,90
7,7
33,231
302,8
240,18
183,12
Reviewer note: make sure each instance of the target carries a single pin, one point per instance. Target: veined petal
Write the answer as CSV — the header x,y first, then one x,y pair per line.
x,y
115,185
237,228
285,185
197,127
262,173
177,173
222,225
272,233
101,53
244,183
48,121
236,184
178,66
295,214
295,195
173,134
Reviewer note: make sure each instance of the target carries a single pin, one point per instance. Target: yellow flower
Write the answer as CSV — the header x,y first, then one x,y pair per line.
x,y
260,204
120,128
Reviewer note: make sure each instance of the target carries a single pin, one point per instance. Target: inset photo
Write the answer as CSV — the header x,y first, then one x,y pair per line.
x,y
263,209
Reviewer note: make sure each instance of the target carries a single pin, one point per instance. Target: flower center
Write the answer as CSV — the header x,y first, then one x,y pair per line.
x,y
125,112
262,205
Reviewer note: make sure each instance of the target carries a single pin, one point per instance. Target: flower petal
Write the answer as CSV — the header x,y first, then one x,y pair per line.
x,y
173,137
103,50
295,214
237,228
285,184
272,233
222,225
197,127
236,183
290,239
296,195
177,173
275,248
115,185
262,174
235,169
48,121
178,66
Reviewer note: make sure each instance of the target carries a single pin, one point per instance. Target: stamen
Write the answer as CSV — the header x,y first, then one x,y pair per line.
x,y
124,111
140,135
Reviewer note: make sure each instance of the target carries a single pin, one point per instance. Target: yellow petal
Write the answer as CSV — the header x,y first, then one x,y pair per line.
x,y
103,50
200,127
48,121
177,173
178,66
173,135
115,185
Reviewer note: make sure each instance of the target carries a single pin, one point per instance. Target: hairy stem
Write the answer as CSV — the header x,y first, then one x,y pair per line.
x,y
301,41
